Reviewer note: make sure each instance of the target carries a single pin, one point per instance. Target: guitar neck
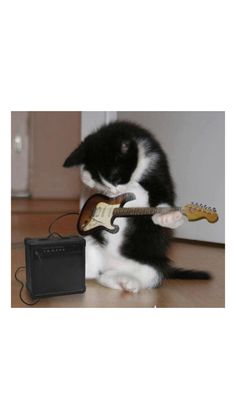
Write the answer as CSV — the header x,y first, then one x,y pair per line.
x,y
99,211
131,211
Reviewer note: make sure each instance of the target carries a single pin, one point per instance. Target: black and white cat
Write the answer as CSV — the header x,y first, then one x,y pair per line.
x,y
124,157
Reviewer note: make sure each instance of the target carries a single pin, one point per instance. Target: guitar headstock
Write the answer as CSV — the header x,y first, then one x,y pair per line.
x,y
194,212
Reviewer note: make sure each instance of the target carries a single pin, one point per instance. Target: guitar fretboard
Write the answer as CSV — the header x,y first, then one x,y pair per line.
x,y
124,212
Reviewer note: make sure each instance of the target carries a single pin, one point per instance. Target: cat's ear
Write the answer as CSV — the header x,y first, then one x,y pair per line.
x,y
125,147
77,157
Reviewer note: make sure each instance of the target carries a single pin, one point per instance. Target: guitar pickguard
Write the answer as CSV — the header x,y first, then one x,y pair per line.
x,y
101,217
99,211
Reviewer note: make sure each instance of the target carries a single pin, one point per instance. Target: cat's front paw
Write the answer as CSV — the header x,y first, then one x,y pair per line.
x,y
172,219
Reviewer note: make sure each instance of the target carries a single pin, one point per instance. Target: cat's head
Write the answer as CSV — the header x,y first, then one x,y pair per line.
x,y
108,157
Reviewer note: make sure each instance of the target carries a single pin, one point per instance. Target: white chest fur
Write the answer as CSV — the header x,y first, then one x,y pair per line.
x,y
114,241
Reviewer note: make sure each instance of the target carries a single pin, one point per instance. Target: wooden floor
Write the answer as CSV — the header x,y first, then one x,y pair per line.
x,y
31,219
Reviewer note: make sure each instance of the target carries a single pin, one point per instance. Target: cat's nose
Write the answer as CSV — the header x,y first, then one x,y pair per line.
x,y
115,180
115,177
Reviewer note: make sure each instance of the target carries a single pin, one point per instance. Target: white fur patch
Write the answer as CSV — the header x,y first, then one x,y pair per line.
x,y
90,182
86,177
115,240
111,189
130,275
94,258
145,163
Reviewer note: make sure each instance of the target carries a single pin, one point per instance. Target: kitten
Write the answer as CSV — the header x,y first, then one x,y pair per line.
x,y
124,157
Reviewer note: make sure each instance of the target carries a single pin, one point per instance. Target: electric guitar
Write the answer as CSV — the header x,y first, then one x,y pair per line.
x,y
100,211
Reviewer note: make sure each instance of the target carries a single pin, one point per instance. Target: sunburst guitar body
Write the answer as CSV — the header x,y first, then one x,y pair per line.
x,y
100,211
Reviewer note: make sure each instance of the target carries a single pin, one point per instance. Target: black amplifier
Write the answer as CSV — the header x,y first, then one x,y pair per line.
x,y
55,266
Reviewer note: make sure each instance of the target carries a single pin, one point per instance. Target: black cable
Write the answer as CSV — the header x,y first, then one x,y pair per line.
x,y
58,218
21,268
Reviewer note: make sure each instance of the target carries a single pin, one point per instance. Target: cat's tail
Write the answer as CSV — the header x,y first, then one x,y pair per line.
x,y
179,273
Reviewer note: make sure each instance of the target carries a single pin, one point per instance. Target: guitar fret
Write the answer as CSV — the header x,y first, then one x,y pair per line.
x,y
139,211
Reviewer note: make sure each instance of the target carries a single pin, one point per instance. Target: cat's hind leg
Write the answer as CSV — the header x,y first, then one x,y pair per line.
x,y
130,276
139,277
94,259
110,279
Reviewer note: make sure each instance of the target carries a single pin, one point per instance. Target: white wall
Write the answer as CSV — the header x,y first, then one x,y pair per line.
x,y
194,143
90,121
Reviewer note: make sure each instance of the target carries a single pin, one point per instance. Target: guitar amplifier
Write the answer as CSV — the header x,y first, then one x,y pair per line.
x,y
55,266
